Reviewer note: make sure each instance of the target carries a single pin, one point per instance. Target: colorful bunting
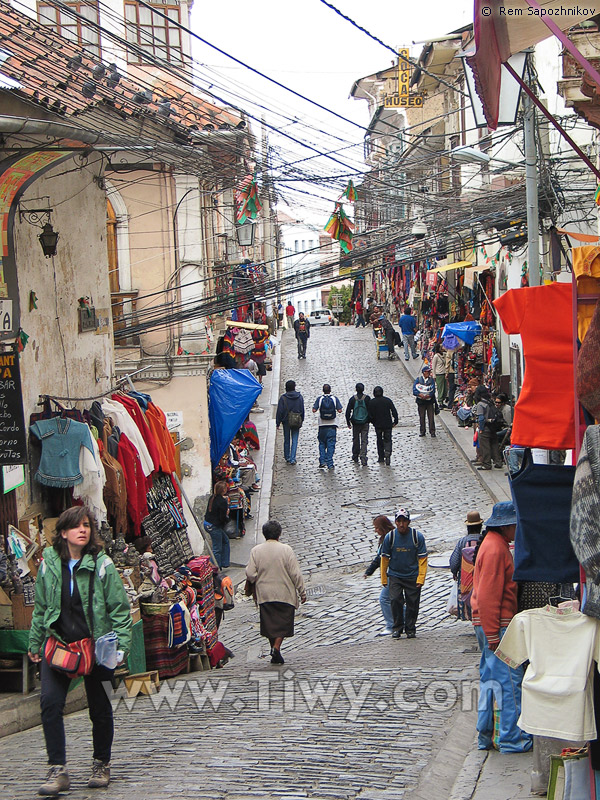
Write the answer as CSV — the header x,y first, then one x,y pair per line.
x,y
339,227
246,199
349,192
22,339
597,196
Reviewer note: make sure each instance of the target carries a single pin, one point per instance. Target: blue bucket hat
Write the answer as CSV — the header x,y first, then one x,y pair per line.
x,y
502,514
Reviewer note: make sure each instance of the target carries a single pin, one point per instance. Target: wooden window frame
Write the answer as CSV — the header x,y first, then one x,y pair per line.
x,y
144,36
82,29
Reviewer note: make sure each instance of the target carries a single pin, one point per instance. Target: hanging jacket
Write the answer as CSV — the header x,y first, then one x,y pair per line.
x,y
110,606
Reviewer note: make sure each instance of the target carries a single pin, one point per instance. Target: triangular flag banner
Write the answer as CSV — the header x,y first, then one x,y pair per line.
x,y
246,199
339,227
350,192
22,339
597,196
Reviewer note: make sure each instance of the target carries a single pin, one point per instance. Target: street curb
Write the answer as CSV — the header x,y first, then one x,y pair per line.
x,y
457,445
466,781
26,714
443,774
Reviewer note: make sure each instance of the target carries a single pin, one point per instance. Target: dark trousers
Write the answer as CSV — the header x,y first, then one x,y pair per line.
x,y
451,388
384,443
54,688
405,596
360,439
302,345
426,408
489,449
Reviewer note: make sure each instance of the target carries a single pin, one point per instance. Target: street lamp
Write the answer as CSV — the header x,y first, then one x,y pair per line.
x,y
48,239
245,234
419,229
510,90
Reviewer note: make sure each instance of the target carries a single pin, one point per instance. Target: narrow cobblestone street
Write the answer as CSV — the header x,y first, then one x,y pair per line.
x,y
349,716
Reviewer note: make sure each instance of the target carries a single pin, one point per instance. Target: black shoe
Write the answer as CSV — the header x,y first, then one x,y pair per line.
x,y
433,435
411,635
421,434
276,657
483,468
387,462
355,460
381,460
396,634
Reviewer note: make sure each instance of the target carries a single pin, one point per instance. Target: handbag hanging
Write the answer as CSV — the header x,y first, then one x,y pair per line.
x,y
75,658
570,776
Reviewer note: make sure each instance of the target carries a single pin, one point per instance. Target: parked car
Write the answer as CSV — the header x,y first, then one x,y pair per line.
x,y
321,316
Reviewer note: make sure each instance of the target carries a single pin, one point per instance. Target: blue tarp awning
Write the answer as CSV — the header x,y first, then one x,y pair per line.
x,y
231,395
466,331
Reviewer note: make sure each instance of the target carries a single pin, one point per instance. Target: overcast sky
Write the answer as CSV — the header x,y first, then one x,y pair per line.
x,y
309,48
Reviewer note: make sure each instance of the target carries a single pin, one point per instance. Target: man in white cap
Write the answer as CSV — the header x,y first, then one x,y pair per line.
x,y
424,392
403,568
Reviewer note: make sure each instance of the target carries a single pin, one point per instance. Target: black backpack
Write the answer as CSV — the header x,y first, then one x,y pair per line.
x,y
494,418
327,408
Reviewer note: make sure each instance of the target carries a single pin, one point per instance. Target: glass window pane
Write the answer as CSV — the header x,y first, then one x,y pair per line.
x,y
130,14
173,13
145,15
160,35
161,52
174,38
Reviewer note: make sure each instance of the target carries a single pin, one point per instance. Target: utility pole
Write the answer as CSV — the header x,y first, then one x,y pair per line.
x,y
531,193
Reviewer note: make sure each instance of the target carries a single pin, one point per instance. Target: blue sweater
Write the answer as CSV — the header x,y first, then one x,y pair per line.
x,y
402,553
408,324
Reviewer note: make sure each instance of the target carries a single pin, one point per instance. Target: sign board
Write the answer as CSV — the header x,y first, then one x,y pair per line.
x,y
174,420
404,98
6,316
12,477
13,435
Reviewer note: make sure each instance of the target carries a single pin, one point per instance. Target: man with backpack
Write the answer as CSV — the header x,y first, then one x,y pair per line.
x,y
403,569
357,418
290,414
383,416
302,329
328,406
462,563
490,420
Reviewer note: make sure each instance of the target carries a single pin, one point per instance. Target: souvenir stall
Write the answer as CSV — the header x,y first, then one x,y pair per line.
x,y
557,530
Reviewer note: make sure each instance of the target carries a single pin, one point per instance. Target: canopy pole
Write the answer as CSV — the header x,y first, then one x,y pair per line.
x,y
553,120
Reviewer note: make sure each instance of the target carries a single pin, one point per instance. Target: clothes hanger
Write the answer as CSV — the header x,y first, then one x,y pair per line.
x,y
558,598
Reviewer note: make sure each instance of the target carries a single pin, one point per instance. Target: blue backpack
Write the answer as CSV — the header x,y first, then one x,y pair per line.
x,y
327,407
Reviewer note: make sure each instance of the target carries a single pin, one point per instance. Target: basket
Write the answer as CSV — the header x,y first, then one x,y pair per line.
x,y
148,609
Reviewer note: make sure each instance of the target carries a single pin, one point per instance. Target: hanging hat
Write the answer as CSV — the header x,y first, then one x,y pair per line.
x,y
403,512
502,514
473,518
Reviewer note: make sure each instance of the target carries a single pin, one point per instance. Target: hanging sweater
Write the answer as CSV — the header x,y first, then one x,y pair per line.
x,y
494,598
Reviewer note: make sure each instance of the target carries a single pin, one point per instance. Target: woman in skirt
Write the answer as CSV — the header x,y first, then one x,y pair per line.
x,y
279,587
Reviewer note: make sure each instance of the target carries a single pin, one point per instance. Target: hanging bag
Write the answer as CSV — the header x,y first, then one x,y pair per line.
x,y
294,418
570,776
76,658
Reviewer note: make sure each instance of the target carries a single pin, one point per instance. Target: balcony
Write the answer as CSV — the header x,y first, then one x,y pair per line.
x,y
124,308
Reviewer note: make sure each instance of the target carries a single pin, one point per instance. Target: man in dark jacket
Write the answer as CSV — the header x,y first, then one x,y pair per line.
x,y
357,418
424,391
388,329
302,329
383,416
294,402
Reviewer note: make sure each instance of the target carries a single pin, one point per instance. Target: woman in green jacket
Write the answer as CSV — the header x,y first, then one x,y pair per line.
x,y
61,609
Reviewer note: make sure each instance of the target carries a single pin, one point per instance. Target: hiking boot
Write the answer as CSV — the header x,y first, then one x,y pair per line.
x,y
387,462
57,780
100,777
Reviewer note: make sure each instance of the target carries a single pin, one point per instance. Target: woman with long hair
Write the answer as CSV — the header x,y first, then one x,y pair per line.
x,y
382,525
278,586
494,604
78,594
215,519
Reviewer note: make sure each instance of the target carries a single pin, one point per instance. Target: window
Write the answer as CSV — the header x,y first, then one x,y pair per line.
x,y
152,33
82,31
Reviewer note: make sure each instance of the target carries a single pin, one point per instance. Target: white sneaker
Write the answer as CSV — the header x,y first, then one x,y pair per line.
x,y
384,632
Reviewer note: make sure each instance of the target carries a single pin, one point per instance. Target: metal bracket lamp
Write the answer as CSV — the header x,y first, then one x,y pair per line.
x,y
245,233
48,238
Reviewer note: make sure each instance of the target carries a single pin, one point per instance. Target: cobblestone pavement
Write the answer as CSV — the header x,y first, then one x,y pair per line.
x,y
350,716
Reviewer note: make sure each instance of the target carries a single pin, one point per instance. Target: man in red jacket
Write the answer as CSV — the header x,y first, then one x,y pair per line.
x,y
494,604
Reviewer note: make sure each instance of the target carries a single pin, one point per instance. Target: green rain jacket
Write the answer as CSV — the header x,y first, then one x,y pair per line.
x,y
110,606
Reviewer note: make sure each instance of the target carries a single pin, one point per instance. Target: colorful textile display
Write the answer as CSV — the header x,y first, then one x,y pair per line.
x,y
588,367
247,202
168,661
61,441
544,412
339,227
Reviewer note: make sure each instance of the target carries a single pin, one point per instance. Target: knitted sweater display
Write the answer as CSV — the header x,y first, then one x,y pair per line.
x,y
61,440
544,412
585,517
561,646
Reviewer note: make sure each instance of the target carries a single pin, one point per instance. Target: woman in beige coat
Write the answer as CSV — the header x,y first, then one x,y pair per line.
x,y
279,587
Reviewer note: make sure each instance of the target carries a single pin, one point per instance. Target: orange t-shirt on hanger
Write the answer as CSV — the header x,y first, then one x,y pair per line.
x,y
544,412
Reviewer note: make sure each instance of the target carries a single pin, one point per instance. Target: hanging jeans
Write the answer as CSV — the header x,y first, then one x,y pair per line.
x,y
386,606
327,436
360,440
53,695
290,443
500,683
